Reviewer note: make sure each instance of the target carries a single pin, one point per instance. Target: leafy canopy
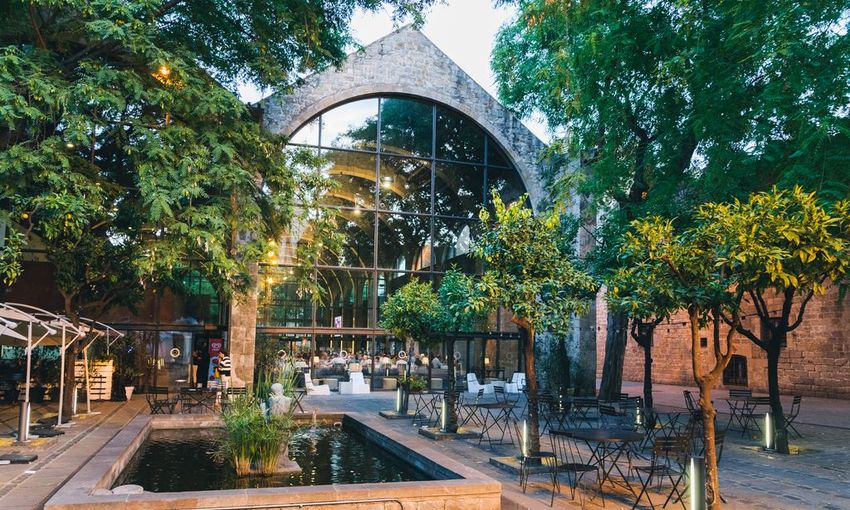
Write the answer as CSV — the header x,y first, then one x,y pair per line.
x,y
414,312
529,268
119,125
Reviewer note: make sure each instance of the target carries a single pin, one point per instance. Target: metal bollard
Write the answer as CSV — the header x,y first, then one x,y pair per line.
x,y
697,488
24,422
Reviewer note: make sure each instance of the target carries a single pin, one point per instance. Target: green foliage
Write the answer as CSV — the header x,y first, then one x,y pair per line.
x,y
120,126
413,312
529,269
458,295
413,383
782,240
671,104
251,438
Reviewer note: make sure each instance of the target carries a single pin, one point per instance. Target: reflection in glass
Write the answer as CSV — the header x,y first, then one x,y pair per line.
x,y
406,127
404,242
459,189
351,126
345,300
358,230
495,156
355,174
280,303
308,134
506,181
405,184
458,138
453,243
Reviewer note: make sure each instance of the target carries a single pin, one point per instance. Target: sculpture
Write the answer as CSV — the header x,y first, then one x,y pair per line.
x,y
279,403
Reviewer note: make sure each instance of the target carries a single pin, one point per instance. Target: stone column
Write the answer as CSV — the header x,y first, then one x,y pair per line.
x,y
241,337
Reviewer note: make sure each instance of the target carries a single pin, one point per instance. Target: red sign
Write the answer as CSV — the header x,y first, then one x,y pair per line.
x,y
215,347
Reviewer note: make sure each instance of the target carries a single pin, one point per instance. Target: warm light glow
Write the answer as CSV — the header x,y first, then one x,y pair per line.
x,y
69,145
357,211
269,280
271,254
486,361
425,360
315,359
164,70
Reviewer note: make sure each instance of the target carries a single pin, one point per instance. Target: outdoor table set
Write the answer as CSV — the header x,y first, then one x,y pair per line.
x,y
495,418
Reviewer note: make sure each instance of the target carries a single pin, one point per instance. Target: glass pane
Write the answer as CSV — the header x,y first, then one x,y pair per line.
x,y
459,190
308,134
355,176
351,126
506,181
389,282
346,298
280,303
458,138
357,229
404,241
406,127
452,244
495,156
405,184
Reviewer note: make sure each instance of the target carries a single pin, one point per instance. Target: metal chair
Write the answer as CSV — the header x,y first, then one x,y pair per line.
x,y
159,400
791,416
570,459
669,457
750,414
525,459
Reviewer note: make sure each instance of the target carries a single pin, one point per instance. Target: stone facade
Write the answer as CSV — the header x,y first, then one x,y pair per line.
x,y
816,361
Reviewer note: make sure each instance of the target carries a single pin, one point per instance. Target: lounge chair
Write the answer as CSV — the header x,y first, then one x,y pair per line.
x,y
472,385
355,386
315,389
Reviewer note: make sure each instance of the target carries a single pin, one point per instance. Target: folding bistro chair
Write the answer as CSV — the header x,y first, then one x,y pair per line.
x,y
790,417
751,414
669,458
736,401
546,458
570,459
160,401
580,411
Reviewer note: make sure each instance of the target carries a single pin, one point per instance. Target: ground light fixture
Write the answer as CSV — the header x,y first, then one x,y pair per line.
x,y
523,440
444,411
768,432
398,399
697,478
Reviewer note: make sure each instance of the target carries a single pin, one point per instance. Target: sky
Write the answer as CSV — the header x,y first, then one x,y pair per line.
x,y
463,29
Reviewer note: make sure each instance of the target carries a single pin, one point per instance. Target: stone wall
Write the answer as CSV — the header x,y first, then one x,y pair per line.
x,y
816,361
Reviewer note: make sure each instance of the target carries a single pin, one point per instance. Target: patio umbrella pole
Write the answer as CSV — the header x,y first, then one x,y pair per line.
x,y
86,370
24,417
61,377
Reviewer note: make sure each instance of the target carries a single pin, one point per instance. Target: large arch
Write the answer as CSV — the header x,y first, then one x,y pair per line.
x,y
406,63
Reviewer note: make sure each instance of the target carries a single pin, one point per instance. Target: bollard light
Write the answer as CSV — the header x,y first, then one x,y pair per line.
x,y
697,488
444,415
524,439
768,431
398,400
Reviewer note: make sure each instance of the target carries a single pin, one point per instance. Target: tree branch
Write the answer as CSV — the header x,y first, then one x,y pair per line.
x,y
802,310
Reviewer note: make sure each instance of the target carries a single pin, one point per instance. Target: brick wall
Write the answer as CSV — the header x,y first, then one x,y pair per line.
x,y
816,361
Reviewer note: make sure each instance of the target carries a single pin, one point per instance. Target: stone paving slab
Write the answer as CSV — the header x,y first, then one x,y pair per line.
x,y
30,486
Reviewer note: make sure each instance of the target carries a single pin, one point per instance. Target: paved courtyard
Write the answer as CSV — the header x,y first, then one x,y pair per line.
x,y
817,477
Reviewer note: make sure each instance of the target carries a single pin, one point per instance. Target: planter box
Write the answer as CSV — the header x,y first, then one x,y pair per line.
x,y
100,379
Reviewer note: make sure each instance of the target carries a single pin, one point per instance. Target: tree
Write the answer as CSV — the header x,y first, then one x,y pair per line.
x,y
460,300
646,295
529,271
120,130
785,245
413,313
670,104
687,258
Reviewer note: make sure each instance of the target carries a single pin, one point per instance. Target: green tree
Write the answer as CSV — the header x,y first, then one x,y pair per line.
x,y
119,129
670,104
697,284
413,313
781,247
459,298
529,271
646,296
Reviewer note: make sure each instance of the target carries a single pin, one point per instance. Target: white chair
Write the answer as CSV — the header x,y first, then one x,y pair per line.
x,y
355,386
315,389
517,383
472,385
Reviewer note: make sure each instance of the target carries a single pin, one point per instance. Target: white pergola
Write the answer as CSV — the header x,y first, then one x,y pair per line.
x,y
28,327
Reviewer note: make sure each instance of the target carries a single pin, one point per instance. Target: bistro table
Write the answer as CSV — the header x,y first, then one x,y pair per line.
x,y
607,447
494,415
423,405
742,410
192,398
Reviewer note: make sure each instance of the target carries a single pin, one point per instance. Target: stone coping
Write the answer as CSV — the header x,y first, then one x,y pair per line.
x,y
468,488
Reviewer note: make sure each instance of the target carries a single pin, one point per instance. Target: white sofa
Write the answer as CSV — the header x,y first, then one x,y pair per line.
x,y
315,389
473,386
355,386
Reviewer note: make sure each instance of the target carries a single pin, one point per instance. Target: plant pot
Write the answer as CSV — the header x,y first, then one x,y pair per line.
x,y
128,391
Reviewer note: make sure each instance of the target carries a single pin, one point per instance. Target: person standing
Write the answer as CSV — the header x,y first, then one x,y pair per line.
x,y
224,370
196,362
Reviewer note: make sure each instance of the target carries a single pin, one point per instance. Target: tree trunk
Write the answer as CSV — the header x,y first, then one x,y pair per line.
x,y
781,433
615,352
647,371
531,385
450,395
712,482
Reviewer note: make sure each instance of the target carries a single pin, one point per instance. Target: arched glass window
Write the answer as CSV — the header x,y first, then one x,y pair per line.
x,y
412,176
